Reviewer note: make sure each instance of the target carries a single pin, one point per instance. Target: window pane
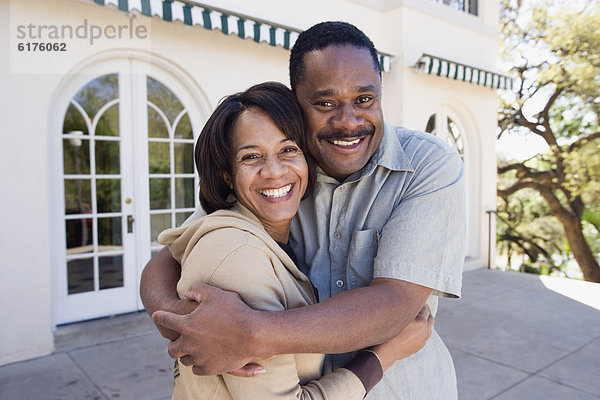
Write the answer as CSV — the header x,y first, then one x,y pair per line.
x,y
164,99
110,234
107,157
184,192
80,275
97,93
79,235
74,121
76,156
184,128
158,223
110,270
156,125
108,124
181,217
78,196
455,137
430,128
160,193
184,158
158,158
108,195
473,9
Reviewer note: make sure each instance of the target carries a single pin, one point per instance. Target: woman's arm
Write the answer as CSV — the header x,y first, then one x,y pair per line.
x,y
249,271
410,340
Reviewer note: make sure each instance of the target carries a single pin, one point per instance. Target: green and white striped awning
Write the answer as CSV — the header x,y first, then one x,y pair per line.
x,y
229,22
451,69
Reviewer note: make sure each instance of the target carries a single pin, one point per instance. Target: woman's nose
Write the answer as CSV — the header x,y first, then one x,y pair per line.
x,y
273,167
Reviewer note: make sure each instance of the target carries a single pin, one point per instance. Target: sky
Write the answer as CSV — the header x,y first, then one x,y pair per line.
x,y
520,147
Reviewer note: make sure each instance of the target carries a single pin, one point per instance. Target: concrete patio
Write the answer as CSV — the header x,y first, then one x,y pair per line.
x,y
513,337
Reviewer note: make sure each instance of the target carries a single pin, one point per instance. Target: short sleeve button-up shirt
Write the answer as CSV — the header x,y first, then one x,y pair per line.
x,y
401,216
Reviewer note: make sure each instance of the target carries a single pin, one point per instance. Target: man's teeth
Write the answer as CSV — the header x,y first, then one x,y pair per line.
x,y
346,143
282,191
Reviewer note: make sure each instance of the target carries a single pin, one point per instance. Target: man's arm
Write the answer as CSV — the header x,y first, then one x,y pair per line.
x,y
158,288
349,321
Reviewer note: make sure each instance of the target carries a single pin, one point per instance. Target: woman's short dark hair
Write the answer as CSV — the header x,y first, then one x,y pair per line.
x,y
325,34
214,156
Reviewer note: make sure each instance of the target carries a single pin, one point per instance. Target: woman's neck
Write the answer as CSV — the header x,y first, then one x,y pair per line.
x,y
279,232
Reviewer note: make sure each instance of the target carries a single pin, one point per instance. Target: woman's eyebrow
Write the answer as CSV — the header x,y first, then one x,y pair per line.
x,y
255,146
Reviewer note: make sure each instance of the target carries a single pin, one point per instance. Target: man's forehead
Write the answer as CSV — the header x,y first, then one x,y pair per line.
x,y
333,53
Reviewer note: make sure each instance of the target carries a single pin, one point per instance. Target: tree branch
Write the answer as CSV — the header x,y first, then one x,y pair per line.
x,y
583,141
527,173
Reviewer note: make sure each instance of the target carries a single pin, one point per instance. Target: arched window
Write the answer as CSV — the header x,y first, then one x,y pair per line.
x,y
447,130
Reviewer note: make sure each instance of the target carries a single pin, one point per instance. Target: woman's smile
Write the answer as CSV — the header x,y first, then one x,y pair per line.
x,y
277,193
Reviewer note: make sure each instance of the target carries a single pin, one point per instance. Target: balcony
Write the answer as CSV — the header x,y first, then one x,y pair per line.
x,y
468,6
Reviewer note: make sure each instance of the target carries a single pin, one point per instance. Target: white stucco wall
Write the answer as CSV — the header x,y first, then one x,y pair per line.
x,y
211,65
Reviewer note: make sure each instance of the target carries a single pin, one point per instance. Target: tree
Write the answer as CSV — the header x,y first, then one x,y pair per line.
x,y
555,51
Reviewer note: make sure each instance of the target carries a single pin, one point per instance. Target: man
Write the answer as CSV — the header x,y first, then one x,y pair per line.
x,y
382,233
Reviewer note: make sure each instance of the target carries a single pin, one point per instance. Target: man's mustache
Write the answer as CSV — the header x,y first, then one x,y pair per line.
x,y
343,134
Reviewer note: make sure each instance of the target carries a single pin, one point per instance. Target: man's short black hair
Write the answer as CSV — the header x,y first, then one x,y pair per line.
x,y
322,35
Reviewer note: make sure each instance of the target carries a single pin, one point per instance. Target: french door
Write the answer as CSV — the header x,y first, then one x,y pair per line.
x,y
128,173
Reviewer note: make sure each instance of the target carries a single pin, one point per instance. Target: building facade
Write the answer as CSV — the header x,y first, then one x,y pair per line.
x,y
102,101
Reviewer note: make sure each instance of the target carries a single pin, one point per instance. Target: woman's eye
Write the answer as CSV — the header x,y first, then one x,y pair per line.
x,y
290,151
250,157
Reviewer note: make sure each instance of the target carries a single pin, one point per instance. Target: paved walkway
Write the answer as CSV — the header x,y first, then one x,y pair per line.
x,y
513,337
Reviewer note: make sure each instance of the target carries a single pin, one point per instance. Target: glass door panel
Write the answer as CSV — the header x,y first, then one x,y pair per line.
x,y
95,222
172,178
92,187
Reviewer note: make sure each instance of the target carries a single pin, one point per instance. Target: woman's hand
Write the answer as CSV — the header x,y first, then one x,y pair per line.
x,y
412,339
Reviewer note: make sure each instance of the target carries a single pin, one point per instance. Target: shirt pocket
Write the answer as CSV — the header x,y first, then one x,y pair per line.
x,y
363,249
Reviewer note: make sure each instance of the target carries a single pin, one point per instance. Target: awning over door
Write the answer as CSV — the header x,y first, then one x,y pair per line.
x,y
229,22
454,70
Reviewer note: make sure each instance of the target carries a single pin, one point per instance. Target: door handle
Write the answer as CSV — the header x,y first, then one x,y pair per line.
x,y
130,220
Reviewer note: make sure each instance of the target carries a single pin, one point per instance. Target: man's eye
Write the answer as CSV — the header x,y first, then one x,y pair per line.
x,y
324,103
364,99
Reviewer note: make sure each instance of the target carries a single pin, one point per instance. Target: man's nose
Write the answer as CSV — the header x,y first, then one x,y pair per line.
x,y
347,117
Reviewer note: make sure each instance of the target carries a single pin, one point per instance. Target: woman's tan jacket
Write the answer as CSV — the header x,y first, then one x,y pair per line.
x,y
230,249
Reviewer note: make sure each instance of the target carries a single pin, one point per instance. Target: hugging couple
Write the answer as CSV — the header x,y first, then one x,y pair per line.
x,y
323,230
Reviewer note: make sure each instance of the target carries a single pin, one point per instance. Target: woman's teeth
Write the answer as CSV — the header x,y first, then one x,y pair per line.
x,y
346,143
282,191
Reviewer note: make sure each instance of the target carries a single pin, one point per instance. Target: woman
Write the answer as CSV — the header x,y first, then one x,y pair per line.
x,y
253,175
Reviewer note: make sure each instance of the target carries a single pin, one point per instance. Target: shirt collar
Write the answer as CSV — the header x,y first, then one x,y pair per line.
x,y
390,155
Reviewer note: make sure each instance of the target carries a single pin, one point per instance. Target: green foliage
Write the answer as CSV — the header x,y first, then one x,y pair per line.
x,y
526,228
553,48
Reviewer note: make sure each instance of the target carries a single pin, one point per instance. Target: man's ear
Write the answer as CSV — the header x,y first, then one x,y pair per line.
x,y
227,179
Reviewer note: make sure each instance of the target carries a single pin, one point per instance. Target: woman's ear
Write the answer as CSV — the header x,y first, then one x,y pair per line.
x,y
227,180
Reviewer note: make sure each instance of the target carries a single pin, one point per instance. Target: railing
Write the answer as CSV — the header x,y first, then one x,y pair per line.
x,y
468,6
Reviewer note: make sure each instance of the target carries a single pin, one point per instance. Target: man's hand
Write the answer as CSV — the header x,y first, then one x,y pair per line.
x,y
181,307
410,340
217,337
